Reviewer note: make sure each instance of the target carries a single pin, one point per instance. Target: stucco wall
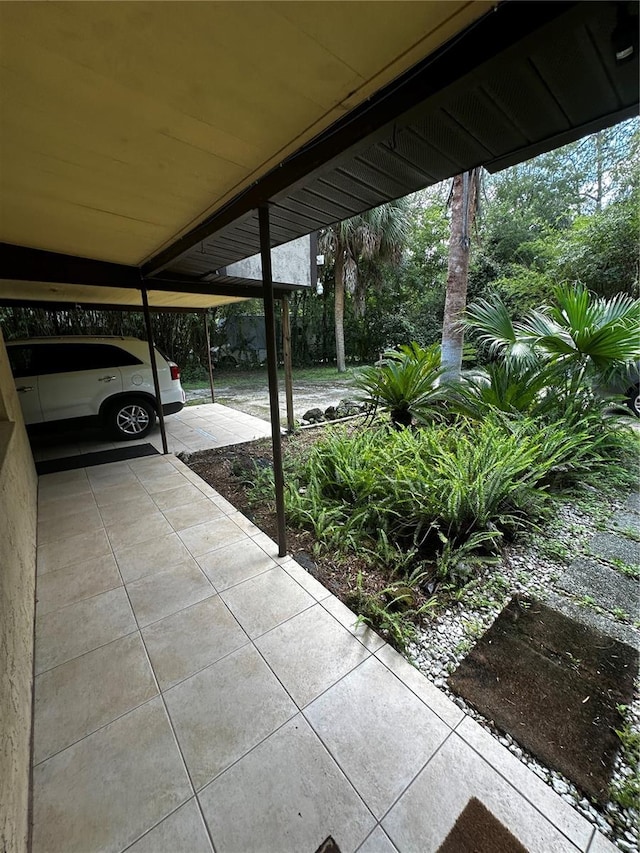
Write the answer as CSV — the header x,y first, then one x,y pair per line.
x,y
290,264
18,507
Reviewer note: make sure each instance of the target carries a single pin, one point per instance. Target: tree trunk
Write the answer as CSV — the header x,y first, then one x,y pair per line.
x,y
599,169
463,207
339,308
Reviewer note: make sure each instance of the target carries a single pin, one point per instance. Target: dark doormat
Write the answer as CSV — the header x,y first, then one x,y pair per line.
x,y
553,684
328,846
87,460
477,830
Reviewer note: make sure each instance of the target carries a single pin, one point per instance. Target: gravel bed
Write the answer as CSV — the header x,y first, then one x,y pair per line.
x,y
527,569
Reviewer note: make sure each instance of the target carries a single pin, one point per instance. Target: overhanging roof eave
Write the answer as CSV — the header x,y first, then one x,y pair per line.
x,y
503,26
64,279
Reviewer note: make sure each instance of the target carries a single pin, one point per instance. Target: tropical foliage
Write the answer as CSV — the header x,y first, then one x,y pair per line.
x,y
405,384
580,333
380,233
554,357
441,484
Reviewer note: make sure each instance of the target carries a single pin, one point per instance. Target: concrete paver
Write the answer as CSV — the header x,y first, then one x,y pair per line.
x,y
613,546
608,587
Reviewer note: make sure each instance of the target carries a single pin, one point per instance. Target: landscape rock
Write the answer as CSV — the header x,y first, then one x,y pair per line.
x,y
306,562
347,408
313,416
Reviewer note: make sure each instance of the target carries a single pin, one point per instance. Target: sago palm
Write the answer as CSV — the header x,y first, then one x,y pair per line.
x,y
405,384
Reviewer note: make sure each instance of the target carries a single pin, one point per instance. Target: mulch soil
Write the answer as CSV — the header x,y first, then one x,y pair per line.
x,y
553,684
477,830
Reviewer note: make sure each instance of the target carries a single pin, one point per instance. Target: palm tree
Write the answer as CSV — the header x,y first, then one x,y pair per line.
x,y
379,234
464,204
580,339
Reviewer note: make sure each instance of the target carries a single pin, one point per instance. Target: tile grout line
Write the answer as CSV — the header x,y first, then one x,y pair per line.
x,y
167,715
422,769
211,663
516,789
424,701
411,781
338,680
591,840
164,703
382,830
159,693
88,651
98,729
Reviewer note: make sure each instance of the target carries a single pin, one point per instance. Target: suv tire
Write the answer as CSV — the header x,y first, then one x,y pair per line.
x,y
633,399
131,418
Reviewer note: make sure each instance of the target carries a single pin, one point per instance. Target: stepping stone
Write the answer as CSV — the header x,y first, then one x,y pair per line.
x,y
607,587
561,699
610,546
627,521
633,502
618,630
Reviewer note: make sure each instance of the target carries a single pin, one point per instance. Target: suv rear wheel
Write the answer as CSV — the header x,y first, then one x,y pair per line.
x,y
131,418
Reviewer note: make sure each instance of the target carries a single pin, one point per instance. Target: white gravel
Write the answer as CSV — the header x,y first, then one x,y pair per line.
x,y
444,642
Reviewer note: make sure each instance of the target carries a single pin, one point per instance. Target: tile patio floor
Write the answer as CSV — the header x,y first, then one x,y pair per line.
x,y
194,428
194,692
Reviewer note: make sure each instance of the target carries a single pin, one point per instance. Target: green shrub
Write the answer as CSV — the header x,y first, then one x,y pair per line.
x,y
405,384
431,491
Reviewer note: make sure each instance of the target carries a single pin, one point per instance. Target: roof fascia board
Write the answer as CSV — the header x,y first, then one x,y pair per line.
x,y
560,139
21,263
511,21
223,286
96,306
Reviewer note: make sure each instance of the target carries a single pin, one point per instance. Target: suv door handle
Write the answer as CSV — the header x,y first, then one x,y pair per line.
x,y
24,388
107,378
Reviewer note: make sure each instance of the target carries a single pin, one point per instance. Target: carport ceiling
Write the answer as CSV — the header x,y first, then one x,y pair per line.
x,y
148,134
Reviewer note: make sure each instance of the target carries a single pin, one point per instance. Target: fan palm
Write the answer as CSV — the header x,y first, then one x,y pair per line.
x,y
579,335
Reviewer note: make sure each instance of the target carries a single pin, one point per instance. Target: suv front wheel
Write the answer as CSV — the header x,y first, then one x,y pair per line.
x,y
131,418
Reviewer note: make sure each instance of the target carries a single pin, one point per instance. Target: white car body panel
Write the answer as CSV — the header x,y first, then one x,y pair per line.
x,y
77,394
29,396
81,393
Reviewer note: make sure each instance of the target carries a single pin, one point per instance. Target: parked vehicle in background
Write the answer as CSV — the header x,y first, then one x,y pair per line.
x,y
94,380
626,383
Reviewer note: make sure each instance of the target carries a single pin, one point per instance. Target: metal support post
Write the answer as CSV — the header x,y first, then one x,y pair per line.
x,y
288,367
154,367
272,368
208,341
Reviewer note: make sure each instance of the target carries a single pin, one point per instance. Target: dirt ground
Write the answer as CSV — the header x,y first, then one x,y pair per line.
x,y
306,395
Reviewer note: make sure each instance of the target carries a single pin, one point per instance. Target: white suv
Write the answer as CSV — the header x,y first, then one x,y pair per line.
x,y
105,380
